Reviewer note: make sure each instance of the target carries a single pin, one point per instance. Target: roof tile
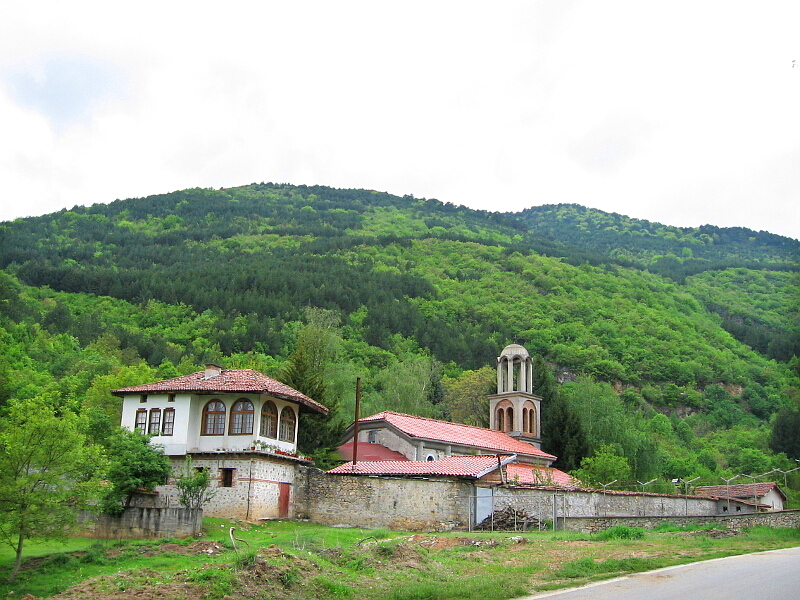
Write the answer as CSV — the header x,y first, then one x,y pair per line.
x,y
228,381
457,433
454,466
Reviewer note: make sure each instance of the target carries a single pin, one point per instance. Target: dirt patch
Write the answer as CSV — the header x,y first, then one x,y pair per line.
x,y
435,542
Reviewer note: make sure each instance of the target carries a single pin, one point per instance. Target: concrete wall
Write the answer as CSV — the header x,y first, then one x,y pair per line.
x,y
376,502
143,523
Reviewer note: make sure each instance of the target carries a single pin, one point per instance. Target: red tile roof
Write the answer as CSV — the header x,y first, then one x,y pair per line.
x,y
472,467
457,433
745,491
367,451
245,381
537,475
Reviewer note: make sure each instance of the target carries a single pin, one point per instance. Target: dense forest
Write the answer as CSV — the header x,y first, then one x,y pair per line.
x,y
674,350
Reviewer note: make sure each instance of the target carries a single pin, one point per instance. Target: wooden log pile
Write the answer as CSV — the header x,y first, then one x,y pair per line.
x,y
509,519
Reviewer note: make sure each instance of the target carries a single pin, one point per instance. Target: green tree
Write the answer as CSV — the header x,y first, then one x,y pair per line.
x,y
562,432
193,485
135,465
315,350
48,473
786,431
465,396
603,468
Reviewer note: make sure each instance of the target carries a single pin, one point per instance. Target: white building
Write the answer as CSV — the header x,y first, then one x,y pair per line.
x,y
239,423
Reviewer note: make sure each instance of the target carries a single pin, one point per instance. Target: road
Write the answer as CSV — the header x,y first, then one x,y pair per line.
x,y
772,575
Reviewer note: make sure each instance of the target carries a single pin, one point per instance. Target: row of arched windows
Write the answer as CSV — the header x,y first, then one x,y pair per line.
x,y
274,425
504,418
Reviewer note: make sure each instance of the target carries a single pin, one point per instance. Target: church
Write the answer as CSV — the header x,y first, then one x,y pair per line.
x,y
392,438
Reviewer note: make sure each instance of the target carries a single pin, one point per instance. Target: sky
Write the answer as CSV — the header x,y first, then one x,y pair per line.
x,y
684,113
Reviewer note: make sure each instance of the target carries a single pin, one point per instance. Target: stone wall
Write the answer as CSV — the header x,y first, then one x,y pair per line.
x,y
377,502
433,504
787,518
143,523
255,489
590,503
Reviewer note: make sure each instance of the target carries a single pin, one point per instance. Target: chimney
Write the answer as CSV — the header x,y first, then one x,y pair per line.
x,y
212,370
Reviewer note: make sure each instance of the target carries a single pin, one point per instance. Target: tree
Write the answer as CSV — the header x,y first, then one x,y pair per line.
x,y
135,465
465,397
305,371
562,432
786,431
192,485
48,473
603,468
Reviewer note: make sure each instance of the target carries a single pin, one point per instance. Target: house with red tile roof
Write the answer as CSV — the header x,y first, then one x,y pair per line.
x,y
238,423
767,496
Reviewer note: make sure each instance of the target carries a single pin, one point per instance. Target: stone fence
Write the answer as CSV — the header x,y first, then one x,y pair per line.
x,y
143,523
438,504
786,518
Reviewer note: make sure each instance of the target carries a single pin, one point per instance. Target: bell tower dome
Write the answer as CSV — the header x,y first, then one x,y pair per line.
x,y
514,409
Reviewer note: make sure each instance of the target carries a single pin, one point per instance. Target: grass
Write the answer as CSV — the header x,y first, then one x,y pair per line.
x,y
293,561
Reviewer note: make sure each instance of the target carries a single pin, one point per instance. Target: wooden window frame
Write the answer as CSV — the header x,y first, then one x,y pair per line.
x,y
213,420
269,421
140,424
241,422
154,422
286,433
168,422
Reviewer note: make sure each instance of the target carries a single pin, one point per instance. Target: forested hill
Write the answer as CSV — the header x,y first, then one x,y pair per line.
x,y
417,294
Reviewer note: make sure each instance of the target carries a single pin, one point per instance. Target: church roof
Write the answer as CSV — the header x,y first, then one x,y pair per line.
x,y
228,381
515,350
457,433
367,451
538,475
473,467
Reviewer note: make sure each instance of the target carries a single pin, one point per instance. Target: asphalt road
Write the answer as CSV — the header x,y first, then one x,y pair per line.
x,y
772,575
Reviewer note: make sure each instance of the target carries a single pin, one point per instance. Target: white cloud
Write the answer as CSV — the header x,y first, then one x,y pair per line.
x,y
683,113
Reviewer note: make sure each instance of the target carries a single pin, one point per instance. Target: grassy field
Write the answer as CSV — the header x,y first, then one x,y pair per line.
x,y
294,561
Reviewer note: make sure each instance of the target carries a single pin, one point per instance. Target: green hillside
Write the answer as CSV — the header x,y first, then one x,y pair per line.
x,y
695,326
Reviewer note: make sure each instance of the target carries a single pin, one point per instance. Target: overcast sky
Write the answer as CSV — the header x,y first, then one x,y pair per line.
x,y
685,113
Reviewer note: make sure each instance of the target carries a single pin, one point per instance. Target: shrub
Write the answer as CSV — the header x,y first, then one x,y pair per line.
x,y
620,532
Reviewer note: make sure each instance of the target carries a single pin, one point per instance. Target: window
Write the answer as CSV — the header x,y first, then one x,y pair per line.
x,y
372,437
214,418
241,417
269,420
529,418
168,421
155,422
141,420
500,419
288,421
509,419
226,477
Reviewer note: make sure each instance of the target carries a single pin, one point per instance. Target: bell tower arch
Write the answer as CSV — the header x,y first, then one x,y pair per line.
x,y
514,409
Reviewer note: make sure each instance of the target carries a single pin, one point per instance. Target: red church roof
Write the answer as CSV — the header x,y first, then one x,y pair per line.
x,y
367,451
457,433
245,381
472,467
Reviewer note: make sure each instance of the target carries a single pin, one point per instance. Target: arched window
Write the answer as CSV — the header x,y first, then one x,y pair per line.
x,y
287,424
500,419
509,419
529,418
214,418
241,417
269,420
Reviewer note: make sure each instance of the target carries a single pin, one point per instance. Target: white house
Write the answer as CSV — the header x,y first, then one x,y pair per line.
x,y
239,423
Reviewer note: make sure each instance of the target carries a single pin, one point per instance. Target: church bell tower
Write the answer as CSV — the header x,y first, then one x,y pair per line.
x,y
514,409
